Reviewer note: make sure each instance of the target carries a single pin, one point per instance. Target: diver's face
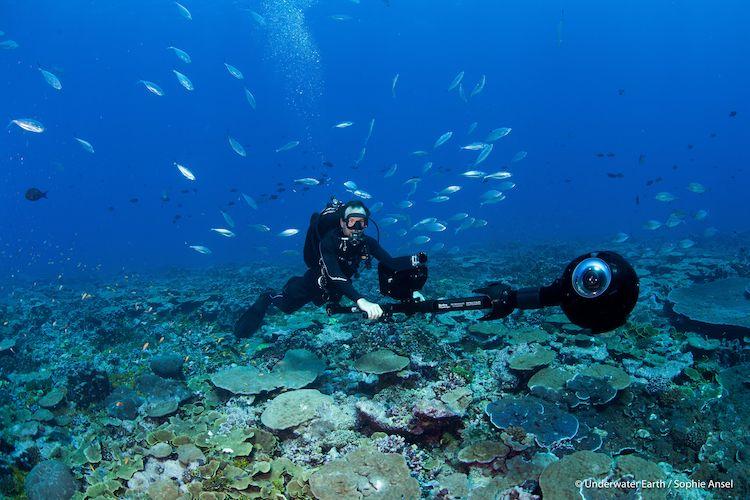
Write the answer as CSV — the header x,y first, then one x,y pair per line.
x,y
353,225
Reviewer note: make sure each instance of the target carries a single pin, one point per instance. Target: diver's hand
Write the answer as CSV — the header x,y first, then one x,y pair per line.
x,y
417,295
374,311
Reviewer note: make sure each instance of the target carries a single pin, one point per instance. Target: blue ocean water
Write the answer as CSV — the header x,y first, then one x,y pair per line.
x,y
649,82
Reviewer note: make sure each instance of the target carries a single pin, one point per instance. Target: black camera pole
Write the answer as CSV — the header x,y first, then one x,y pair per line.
x,y
422,307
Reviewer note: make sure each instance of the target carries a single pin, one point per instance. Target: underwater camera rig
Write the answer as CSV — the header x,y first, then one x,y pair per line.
x,y
596,291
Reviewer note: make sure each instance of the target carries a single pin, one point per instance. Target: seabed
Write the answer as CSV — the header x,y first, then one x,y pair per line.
x,y
134,387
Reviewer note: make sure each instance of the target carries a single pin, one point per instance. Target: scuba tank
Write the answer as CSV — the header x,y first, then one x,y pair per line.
x,y
320,223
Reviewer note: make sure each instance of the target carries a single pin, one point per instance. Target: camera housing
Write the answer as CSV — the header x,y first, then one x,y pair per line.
x,y
599,290
401,285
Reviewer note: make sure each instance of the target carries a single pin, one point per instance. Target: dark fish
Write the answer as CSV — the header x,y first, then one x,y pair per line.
x,y
231,203
34,194
712,135
641,159
280,190
637,200
184,191
732,114
600,155
133,200
233,190
274,197
328,164
620,91
615,175
649,182
690,146
674,167
110,209
610,155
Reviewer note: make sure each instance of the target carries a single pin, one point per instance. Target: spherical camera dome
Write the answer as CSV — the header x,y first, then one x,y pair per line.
x,y
599,290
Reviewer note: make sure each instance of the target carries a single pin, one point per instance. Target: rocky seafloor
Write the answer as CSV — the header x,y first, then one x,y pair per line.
x,y
134,387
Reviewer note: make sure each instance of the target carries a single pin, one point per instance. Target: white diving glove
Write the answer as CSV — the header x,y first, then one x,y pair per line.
x,y
418,296
374,311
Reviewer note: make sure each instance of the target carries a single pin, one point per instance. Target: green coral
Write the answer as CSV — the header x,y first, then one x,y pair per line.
x,y
462,371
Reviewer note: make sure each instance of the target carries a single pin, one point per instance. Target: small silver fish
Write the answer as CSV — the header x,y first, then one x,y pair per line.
x,y
369,132
224,232
664,196
696,187
250,98
434,227
234,71
473,174
484,153
652,225
289,145
474,146
185,171
421,240
184,80
518,156
442,139
457,217
307,181
620,238
262,228
86,145
51,79
9,45
28,124
405,204
227,218
472,128
258,18
456,81
376,207
479,86
183,11
450,190
350,185
181,54
391,170
439,199
498,175
362,194
288,232
201,249
498,133
250,201
152,87
237,147
393,85
345,124
686,243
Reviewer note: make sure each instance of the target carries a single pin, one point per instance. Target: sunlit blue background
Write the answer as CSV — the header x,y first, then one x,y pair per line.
x,y
554,70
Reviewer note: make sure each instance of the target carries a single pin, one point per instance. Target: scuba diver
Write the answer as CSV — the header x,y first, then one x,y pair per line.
x,y
335,246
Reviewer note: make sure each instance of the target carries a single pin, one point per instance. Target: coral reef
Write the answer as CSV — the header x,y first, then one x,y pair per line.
x,y
140,391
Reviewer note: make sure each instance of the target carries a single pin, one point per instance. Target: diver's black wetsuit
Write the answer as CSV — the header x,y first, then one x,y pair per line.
x,y
328,277
339,260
